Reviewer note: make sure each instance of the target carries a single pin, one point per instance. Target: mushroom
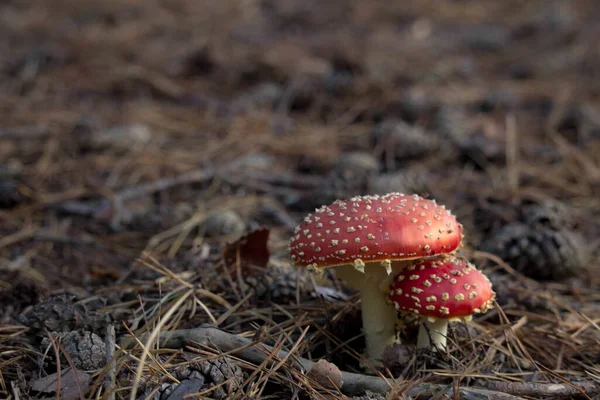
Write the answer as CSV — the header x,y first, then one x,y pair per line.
x,y
365,239
440,290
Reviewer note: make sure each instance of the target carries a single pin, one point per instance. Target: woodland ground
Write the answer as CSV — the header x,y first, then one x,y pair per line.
x,y
140,139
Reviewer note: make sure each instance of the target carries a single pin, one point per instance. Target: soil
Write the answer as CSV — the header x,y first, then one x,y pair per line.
x,y
140,140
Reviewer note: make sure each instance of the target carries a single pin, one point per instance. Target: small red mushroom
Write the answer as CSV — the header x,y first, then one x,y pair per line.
x,y
440,290
366,238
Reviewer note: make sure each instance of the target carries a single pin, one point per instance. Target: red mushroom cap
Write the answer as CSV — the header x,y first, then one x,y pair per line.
x,y
374,228
446,287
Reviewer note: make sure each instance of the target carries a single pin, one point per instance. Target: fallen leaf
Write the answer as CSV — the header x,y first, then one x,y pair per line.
x,y
73,383
250,253
104,273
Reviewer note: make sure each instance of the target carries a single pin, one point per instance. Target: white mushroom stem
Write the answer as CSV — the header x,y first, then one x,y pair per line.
x,y
437,328
378,316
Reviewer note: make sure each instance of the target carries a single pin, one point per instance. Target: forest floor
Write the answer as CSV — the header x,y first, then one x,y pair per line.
x,y
155,157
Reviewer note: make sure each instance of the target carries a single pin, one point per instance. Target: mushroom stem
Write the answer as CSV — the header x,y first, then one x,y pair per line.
x,y
437,332
378,316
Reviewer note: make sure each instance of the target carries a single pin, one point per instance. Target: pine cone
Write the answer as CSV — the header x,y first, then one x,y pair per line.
x,y
370,396
287,283
279,284
62,314
86,349
549,214
163,392
220,370
192,383
511,293
212,373
173,391
492,213
538,253
260,284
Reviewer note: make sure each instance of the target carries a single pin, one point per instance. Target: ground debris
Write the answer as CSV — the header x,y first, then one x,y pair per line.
x,y
338,185
401,141
61,313
397,356
281,284
73,384
118,138
493,212
262,96
86,349
248,255
193,384
23,293
482,149
368,395
9,193
224,224
450,123
326,374
548,214
547,390
409,180
539,253
512,292
357,163
221,370
349,176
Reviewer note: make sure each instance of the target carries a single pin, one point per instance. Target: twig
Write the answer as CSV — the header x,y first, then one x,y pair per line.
x,y
54,343
554,390
353,383
111,364
426,391
16,390
512,154
225,342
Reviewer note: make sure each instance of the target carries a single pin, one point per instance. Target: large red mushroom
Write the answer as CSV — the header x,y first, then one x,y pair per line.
x,y
440,291
365,239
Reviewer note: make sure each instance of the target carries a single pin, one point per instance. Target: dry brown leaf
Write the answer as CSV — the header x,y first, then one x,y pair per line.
x,y
249,253
71,382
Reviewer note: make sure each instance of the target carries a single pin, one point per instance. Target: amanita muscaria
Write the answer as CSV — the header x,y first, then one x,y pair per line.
x,y
365,239
440,290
